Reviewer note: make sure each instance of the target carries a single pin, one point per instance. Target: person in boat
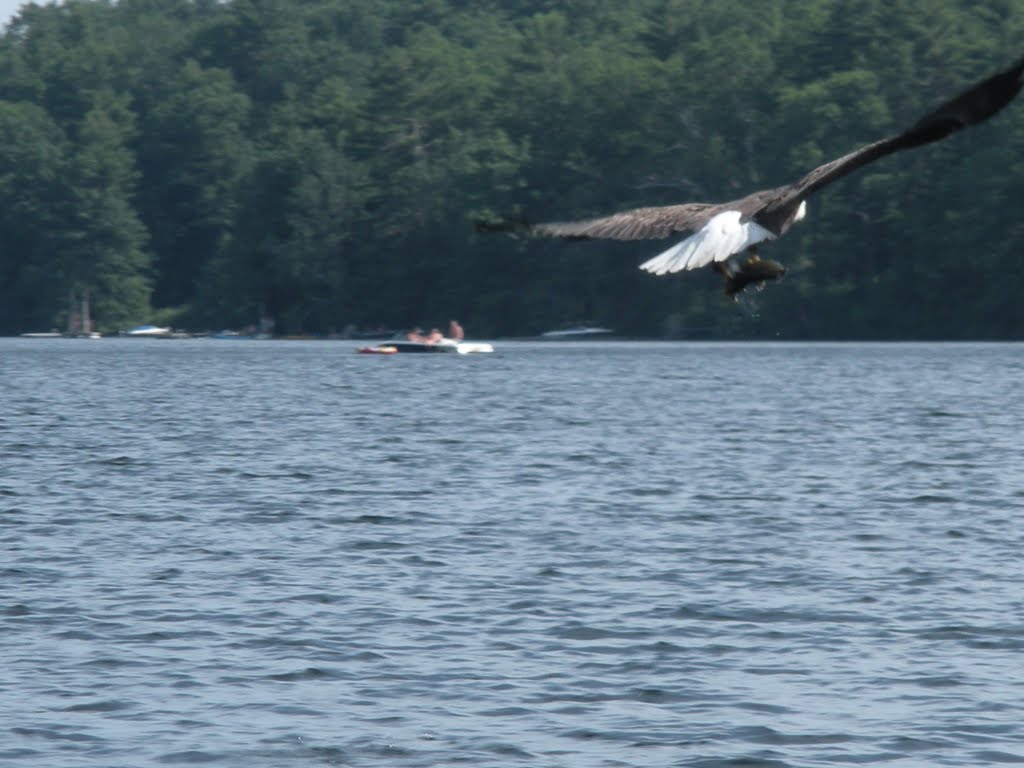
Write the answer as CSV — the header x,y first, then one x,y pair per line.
x,y
455,331
435,337
415,335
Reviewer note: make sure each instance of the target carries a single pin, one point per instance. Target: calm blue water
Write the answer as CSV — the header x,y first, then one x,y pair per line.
x,y
286,554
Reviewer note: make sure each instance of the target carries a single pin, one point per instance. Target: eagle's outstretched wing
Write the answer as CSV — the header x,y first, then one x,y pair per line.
x,y
638,224
975,105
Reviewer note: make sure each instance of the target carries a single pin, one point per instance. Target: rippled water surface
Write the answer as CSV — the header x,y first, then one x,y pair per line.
x,y
601,554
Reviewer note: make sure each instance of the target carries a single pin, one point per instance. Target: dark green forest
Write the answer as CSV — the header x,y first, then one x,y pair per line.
x,y
321,162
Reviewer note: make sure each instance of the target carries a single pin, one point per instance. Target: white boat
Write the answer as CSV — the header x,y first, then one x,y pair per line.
x,y
148,331
579,332
59,335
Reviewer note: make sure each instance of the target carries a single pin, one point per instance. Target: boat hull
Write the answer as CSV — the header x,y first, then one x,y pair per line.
x,y
416,347
580,332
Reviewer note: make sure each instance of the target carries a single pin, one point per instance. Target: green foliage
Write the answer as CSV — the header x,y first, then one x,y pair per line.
x,y
33,152
100,251
320,162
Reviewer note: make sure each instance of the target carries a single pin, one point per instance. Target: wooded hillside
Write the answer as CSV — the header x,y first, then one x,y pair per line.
x,y
321,162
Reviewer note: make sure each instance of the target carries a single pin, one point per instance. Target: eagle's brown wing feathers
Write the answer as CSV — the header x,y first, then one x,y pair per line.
x,y
638,224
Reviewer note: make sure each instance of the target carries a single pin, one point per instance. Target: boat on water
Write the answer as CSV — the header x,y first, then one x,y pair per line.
x,y
147,331
59,335
425,347
578,332
415,342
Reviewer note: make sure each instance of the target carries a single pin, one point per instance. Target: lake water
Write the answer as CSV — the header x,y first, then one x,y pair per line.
x,y
255,554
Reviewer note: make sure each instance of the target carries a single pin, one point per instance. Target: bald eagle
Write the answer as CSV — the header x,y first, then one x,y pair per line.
x,y
725,235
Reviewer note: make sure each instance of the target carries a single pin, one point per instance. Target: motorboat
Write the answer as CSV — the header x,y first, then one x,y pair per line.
x,y
148,331
577,332
402,346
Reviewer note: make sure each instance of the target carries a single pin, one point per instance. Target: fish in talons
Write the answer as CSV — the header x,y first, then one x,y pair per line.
x,y
739,273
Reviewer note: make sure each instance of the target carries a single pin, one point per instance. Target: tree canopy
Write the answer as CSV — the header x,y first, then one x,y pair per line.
x,y
321,162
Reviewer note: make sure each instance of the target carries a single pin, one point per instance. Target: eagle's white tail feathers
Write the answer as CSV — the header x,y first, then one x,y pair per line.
x,y
721,237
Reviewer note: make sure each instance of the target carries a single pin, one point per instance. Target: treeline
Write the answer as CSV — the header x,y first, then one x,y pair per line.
x,y
320,162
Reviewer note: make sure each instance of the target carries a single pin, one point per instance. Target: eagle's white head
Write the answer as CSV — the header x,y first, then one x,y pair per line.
x,y
801,211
